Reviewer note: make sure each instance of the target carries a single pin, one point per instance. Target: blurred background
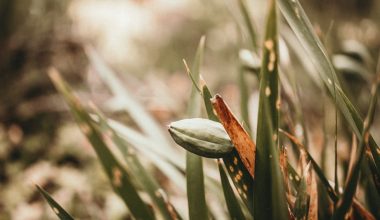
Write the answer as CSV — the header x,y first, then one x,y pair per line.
x,y
144,42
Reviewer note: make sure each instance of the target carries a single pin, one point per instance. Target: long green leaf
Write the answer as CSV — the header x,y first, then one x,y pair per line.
x,y
170,166
248,23
194,165
143,177
118,175
269,191
244,96
232,203
122,97
299,22
58,210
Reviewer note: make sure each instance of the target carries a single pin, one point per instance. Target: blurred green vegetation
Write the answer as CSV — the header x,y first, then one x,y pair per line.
x,y
40,144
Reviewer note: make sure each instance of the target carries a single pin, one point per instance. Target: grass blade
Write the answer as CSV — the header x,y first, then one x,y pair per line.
x,y
313,192
374,170
194,165
353,177
145,179
248,23
244,96
195,187
362,212
269,192
137,112
232,203
239,137
299,22
317,169
169,165
117,174
301,207
136,138
58,210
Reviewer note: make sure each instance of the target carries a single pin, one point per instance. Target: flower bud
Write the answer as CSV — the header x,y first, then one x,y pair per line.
x,y
202,137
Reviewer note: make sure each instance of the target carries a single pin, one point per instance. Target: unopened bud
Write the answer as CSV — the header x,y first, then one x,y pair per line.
x,y
202,137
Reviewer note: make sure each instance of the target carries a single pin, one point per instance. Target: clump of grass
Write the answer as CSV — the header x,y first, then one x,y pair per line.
x,y
257,178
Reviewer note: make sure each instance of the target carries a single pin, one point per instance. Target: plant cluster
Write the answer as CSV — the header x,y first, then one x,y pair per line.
x,y
257,177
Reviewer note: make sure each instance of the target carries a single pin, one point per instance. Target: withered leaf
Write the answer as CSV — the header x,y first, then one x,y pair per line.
x,y
361,211
239,137
313,193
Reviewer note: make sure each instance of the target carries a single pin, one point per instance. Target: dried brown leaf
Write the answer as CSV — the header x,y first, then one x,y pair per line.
x,y
313,192
361,211
239,137
284,167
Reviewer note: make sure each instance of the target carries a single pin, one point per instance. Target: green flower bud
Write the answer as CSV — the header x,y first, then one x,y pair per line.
x,y
202,137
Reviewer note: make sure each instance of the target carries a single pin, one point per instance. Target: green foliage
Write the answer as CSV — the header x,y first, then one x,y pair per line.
x,y
267,187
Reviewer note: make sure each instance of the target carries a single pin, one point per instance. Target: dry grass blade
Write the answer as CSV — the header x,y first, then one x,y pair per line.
x,y
313,193
375,171
239,137
284,166
301,206
352,180
308,196
361,211
301,25
316,167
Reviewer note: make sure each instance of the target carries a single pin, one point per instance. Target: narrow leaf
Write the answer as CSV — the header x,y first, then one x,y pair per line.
x,y
117,174
353,177
313,192
58,210
316,167
123,97
375,171
299,22
143,177
362,212
301,207
244,96
239,174
269,192
194,165
232,203
248,23
239,137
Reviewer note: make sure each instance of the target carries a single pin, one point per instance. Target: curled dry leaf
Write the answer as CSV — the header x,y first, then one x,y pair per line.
x,y
284,167
313,193
239,137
